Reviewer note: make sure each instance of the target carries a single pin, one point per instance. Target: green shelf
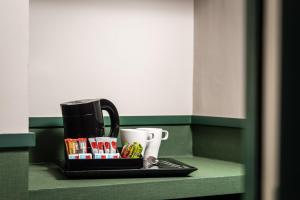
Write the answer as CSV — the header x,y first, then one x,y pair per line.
x,y
213,177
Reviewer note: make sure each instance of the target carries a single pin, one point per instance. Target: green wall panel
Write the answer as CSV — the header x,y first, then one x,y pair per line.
x,y
218,142
11,140
50,143
209,141
14,174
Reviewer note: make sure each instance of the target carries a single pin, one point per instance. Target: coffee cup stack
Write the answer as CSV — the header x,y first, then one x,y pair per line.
x,y
149,138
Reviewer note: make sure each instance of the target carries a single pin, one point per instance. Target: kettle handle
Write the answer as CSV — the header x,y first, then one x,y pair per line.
x,y
114,116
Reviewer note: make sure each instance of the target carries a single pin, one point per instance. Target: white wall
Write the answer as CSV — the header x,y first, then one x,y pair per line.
x,y
137,53
219,58
13,66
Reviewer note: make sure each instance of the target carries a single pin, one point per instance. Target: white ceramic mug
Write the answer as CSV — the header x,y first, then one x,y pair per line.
x,y
134,135
153,146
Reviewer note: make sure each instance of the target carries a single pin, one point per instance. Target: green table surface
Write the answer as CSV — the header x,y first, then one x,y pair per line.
x,y
213,177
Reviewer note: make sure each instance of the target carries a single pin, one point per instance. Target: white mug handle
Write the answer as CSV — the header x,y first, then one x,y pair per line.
x,y
166,135
152,138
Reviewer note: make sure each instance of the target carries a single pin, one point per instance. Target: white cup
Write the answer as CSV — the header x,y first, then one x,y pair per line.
x,y
153,146
133,135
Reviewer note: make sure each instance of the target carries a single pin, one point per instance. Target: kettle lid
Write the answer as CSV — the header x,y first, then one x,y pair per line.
x,y
80,107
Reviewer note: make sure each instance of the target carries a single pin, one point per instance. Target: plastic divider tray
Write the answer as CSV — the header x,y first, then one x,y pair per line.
x,y
96,164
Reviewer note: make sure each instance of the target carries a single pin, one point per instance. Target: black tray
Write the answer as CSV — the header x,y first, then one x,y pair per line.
x,y
166,167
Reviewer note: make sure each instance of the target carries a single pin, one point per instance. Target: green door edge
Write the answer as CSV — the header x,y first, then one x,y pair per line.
x,y
253,99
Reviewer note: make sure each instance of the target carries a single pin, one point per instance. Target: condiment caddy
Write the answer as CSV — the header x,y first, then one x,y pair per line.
x,y
99,153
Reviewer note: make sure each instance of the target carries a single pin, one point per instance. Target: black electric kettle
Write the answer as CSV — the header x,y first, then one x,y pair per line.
x,y
84,118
